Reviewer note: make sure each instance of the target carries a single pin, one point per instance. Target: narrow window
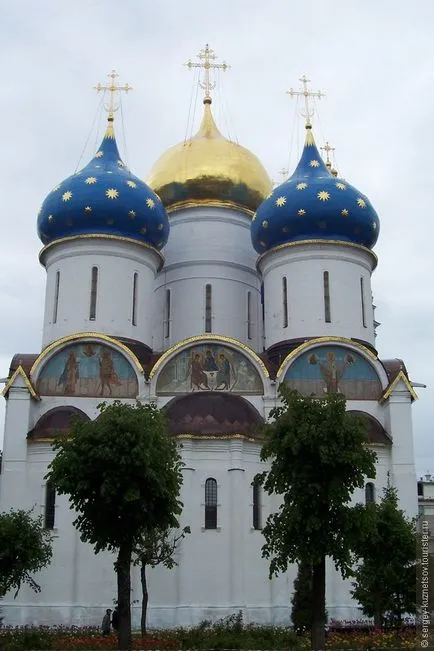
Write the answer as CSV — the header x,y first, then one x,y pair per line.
x,y
208,308
168,315
134,310
369,493
362,298
256,505
327,313
50,503
249,315
56,296
262,303
210,504
285,301
93,293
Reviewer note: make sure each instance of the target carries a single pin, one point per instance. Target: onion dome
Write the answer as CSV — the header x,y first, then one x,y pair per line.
x,y
209,169
104,198
314,204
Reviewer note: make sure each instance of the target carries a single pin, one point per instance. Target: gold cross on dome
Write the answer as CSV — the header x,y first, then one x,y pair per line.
x,y
308,111
327,148
112,88
283,173
206,58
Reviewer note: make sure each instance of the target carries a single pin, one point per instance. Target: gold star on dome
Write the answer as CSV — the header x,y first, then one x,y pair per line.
x,y
374,226
341,186
50,218
280,201
87,209
66,195
150,203
301,186
344,212
57,187
314,163
265,224
361,202
131,184
143,230
301,212
131,213
160,227
90,180
323,195
99,154
112,193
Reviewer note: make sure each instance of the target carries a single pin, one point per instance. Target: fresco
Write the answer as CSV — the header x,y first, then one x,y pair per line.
x,y
334,369
209,367
88,369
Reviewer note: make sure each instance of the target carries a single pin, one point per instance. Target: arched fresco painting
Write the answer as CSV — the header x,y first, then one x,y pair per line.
x,y
334,369
88,369
209,367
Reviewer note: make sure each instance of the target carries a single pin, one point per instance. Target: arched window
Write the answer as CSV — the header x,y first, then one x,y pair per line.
x,y
370,493
50,506
208,308
93,293
210,504
285,301
327,311
56,296
256,506
134,301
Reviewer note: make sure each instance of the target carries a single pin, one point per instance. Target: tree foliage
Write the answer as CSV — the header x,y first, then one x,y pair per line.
x,y
301,601
123,476
318,457
25,548
385,581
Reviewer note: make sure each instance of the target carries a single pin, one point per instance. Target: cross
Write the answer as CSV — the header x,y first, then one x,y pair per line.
x,y
283,173
112,88
207,56
328,148
308,112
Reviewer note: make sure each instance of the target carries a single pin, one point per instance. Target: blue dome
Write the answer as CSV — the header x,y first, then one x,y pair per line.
x,y
104,198
314,205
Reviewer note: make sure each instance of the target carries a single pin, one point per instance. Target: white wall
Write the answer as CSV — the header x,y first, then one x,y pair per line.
x,y
117,262
208,245
304,266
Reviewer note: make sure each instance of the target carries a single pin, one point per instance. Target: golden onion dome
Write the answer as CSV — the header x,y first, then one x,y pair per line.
x,y
209,169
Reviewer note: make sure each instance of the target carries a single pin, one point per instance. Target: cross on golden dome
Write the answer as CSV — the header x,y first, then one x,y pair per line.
x,y
206,58
112,88
328,148
308,111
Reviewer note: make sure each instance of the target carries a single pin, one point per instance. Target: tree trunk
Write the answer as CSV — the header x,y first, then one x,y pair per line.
x,y
123,565
145,597
318,603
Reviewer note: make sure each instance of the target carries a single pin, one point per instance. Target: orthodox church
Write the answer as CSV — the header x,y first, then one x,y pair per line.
x,y
202,290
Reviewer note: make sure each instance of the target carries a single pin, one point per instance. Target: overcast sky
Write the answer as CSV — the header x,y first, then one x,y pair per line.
x,y
373,59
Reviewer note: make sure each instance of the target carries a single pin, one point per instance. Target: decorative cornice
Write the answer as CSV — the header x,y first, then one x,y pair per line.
x,y
86,335
401,377
288,245
213,203
101,236
20,372
208,338
325,340
216,437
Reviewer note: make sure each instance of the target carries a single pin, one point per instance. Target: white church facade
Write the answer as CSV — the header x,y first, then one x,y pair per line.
x,y
201,290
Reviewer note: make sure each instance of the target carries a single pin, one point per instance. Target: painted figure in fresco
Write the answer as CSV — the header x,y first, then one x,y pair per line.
x,y
107,373
224,373
70,374
198,377
332,370
209,363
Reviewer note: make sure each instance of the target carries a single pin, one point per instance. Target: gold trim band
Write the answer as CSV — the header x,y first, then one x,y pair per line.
x,y
212,203
351,245
20,371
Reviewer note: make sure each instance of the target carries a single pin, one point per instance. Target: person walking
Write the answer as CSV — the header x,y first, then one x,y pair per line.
x,y
115,619
105,626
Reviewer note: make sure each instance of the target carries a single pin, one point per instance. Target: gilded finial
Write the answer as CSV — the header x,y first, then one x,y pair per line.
x,y
308,111
206,58
111,107
328,148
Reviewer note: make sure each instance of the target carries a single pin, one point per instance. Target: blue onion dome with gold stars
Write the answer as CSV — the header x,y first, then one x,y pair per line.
x,y
104,198
314,205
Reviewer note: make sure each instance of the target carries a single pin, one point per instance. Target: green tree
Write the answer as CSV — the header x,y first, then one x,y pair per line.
x,y
301,601
385,581
123,476
25,548
155,547
318,456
